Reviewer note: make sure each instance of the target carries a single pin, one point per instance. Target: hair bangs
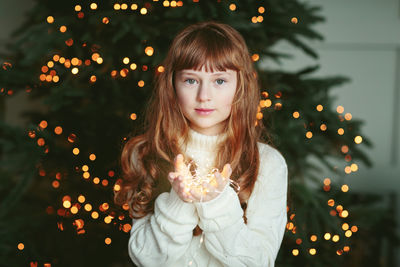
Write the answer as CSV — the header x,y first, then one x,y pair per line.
x,y
207,48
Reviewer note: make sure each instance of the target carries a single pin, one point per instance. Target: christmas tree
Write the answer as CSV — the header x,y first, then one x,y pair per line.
x,y
92,65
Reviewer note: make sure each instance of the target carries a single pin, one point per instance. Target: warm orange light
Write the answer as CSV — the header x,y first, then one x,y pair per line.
x,y
133,116
259,116
141,83
81,198
55,184
339,109
117,187
260,18
43,124
86,175
354,167
125,206
254,19
358,139
93,78
313,238
344,214
50,19
124,6
348,116
232,7
327,181
88,207
117,6
320,108
340,131
75,151
95,215
160,69
105,20
294,20
108,219
99,60
93,6
124,72
78,8
92,157
107,241
143,11
261,10
74,210
327,236
344,149
335,238
40,142
309,134
296,114
69,42
331,202
63,29
347,169
67,204
149,50
345,226
345,188
126,227
323,127
348,233
354,229
21,246
96,180
312,251
255,57
126,60
134,6
95,56
295,252
104,182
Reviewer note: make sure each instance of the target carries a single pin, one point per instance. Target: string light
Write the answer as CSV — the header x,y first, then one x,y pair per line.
x,y
50,19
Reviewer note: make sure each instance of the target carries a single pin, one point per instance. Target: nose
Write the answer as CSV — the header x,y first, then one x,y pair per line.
x,y
203,93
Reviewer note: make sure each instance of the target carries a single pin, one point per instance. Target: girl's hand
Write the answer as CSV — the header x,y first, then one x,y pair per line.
x,y
176,179
211,190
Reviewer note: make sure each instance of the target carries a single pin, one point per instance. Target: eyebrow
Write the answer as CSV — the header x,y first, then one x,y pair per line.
x,y
215,73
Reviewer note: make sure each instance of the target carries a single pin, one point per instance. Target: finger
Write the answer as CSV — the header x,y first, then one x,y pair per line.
x,y
195,195
179,164
171,177
226,171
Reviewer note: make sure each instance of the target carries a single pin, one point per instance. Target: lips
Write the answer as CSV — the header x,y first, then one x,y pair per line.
x,y
203,111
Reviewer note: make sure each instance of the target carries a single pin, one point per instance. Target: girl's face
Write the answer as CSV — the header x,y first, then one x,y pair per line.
x,y
205,98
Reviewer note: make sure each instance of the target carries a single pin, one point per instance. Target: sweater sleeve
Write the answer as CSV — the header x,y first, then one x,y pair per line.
x,y
256,243
165,235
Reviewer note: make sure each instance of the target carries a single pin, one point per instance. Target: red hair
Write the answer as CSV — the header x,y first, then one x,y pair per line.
x,y
146,159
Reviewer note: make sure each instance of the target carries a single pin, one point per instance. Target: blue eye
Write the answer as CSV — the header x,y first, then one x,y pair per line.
x,y
220,81
190,81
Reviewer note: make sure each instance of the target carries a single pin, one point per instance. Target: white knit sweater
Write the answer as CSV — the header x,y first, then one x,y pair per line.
x,y
165,238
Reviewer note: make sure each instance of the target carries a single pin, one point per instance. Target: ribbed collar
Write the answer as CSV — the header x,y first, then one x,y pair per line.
x,y
198,141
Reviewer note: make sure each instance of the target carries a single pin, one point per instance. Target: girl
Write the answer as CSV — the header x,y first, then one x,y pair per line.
x,y
202,115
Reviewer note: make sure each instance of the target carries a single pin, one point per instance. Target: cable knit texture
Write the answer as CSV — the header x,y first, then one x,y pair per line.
x,y
165,238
